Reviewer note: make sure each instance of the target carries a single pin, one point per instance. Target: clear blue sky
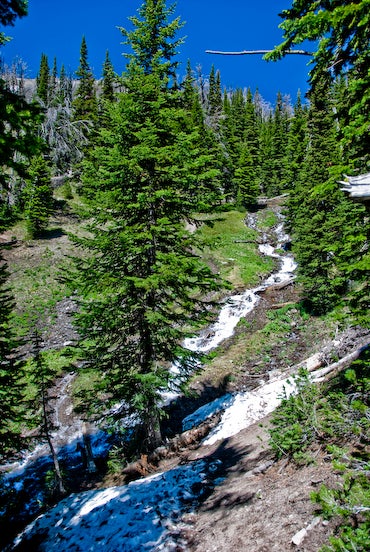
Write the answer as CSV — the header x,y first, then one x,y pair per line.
x,y
56,27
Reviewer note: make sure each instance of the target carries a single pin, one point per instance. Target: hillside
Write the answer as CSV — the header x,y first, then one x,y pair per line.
x,y
244,479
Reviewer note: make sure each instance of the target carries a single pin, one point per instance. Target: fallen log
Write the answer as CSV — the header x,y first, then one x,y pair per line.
x,y
244,241
282,305
277,286
332,370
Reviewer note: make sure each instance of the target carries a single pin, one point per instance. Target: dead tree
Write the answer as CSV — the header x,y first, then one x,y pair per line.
x,y
257,52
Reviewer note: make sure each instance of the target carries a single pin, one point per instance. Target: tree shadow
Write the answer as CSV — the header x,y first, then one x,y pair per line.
x,y
52,233
231,458
186,404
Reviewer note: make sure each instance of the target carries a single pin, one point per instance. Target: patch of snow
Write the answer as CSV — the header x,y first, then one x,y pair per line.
x,y
249,407
138,516
206,411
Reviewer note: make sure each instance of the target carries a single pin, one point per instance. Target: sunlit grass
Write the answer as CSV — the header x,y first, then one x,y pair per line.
x,y
233,251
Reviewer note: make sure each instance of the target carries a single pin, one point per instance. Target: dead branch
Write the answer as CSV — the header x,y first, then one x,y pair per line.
x,y
332,370
257,52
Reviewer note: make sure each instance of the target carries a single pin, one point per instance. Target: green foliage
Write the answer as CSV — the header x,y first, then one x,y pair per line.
x,y
9,11
38,197
245,179
18,143
85,105
230,244
341,30
279,321
43,80
349,502
312,415
141,281
295,423
11,369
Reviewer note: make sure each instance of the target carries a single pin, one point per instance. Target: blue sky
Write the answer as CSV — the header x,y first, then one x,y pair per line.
x,y
56,28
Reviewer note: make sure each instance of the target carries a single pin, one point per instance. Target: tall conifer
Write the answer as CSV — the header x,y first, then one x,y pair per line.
x,y
141,282
317,206
85,102
43,80
10,372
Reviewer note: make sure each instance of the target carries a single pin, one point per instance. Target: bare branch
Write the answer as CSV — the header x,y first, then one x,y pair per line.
x,y
258,52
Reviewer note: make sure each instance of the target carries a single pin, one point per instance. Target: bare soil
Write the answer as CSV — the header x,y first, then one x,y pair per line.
x,y
259,507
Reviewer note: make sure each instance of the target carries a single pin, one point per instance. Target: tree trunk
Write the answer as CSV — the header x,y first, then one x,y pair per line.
x,y
58,473
334,369
90,462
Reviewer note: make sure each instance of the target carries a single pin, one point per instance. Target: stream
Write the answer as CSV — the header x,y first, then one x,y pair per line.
x,y
21,475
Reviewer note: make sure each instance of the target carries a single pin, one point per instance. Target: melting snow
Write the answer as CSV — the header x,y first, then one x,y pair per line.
x,y
249,407
138,516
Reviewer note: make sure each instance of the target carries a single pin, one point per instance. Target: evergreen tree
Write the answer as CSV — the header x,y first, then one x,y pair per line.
x,y
317,206
296,144
38,196
64,89
139,280
276,178
85,102
214,99
40,411
43,81
266,153
341,30
245,179
19,141
189,91
109,79
10,372
53,83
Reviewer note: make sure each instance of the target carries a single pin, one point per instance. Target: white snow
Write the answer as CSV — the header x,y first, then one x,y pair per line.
x,y
138,516
249,407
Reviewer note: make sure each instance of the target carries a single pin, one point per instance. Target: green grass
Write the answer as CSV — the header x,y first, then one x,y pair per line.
x,y
34,268
232,250
267,219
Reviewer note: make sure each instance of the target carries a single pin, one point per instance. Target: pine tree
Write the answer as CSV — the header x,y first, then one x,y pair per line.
x,y
296,143
40,411
85,102
317,223
53,87
38,197
10,373
266,152
19,142
43,81
214,99
280,126
189,91
109,79
138,281
341,31
245,179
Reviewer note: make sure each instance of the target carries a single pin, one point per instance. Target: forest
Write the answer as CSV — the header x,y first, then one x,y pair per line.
x,y
142,169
